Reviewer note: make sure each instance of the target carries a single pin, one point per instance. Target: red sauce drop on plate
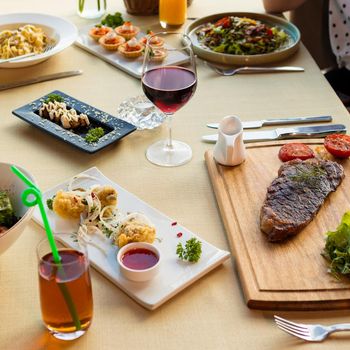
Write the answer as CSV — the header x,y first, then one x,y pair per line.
x,y
139,259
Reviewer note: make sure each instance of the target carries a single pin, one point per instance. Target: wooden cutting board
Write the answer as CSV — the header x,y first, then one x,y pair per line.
x,y
278,276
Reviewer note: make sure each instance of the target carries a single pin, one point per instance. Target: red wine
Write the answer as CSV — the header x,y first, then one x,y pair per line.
x,y
169,88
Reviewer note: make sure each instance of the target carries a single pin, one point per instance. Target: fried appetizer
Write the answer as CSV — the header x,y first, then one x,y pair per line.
x,y
108,198
135,227
68,205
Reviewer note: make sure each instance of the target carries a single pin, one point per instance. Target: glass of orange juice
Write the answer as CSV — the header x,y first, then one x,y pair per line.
x,y
172,12
65,290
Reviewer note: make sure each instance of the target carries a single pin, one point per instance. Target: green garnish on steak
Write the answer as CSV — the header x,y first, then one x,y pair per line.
x,y
310,175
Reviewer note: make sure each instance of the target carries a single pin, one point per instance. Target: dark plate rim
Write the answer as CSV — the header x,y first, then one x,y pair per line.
x,y
119,128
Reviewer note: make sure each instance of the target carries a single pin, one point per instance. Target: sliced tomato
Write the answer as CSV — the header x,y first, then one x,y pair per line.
x,y
338,145
223,22
295,150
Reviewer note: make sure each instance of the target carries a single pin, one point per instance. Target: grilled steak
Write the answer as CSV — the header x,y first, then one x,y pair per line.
x,y
296,195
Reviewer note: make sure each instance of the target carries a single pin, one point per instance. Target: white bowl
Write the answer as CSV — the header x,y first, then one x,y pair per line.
x,y
138,275
57,28
14,186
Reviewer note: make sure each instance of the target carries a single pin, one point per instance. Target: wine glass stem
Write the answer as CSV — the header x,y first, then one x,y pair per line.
x,y
169,143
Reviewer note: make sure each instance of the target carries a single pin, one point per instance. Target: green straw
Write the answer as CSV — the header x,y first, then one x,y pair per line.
x,y
34,191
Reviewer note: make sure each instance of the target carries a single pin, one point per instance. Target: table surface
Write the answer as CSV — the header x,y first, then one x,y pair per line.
x,y
211,313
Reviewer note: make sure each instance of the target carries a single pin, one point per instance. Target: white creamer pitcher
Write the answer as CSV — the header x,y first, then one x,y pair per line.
x,y
229,149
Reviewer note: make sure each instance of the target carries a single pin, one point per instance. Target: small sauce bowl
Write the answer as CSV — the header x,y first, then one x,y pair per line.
x,y
139,261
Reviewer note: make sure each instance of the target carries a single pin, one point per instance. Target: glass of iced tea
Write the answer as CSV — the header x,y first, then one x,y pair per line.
x,y
65,290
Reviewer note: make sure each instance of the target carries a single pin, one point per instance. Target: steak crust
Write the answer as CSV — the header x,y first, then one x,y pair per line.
x,y
295,196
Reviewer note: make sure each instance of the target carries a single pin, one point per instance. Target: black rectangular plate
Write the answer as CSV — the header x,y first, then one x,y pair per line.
x,y
114,128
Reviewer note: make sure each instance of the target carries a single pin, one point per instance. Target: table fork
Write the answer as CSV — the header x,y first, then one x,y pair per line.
x,y
19,58
309,332
233,71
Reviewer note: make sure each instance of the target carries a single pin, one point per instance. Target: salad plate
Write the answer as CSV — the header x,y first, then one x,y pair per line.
x,y
287,49
132,66
114,128
61,31
174,274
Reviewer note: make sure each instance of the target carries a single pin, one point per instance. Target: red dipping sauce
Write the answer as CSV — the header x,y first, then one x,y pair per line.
x,y
139,259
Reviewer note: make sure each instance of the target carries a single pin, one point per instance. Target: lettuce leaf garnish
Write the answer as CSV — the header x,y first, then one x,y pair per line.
x,y
337,248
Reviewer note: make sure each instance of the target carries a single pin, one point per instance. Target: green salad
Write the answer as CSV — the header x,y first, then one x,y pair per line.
x,y
241,36
7,215
337,248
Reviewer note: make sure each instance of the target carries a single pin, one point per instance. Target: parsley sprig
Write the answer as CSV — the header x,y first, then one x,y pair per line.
x,y
94,135
113,21
53,98
192,250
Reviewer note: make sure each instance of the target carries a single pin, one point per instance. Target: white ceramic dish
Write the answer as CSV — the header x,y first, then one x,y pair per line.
x,y
14,186
138,275
174,275
59,29
132,66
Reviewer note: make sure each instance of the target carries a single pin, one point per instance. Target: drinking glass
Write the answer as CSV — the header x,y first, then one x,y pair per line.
x,y
92,8
65,290
172,12
169,87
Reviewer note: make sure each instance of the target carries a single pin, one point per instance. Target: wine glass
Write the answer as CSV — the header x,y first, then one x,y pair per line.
x,y
169,84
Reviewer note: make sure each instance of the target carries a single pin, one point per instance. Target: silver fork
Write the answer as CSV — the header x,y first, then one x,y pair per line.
x,y
19,58
310,332
233,71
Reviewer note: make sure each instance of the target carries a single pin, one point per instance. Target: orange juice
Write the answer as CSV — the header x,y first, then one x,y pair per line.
x,y
172,12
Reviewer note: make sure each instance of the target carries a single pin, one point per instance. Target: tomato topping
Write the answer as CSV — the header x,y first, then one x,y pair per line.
x,y
223,22
295,150
132,48
338,145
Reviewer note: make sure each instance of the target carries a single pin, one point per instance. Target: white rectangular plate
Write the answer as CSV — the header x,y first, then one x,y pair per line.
x,y
174,275
132,66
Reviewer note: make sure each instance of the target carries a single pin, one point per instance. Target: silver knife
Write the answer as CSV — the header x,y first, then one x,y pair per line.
x,y
41,79
255,124
318,131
